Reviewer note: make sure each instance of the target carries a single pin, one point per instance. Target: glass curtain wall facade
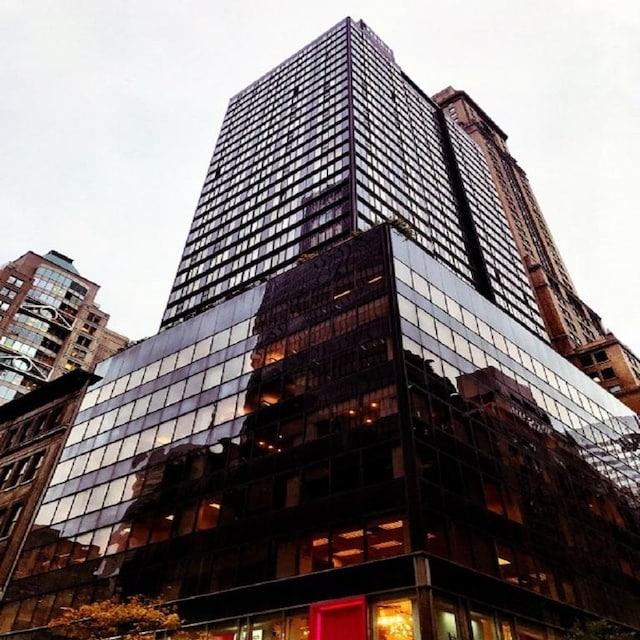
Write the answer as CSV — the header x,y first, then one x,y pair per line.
x,y
365,429
334,140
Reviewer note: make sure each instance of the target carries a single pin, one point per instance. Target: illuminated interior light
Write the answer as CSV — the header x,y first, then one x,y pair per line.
x,y
387,544
397,625
374,405
368,421
396,524
169,517
347,552
319,542
341,294
214,505
352,412
374,279
503,561
357,533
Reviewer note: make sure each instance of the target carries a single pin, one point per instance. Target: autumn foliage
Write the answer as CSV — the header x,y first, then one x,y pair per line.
x,y
600,630
131,620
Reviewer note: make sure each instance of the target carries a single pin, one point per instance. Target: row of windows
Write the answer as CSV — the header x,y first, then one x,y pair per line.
x,y
172,362
15,281
259,234
265,156
568,407
21,471
431,292
496,240
31,428
271,259
269,132
331,43
263,194
294,167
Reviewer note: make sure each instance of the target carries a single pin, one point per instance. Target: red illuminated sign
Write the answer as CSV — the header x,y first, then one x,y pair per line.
x,y
339,620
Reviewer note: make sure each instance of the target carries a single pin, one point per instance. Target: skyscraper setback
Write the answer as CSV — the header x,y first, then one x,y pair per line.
x,y
352,424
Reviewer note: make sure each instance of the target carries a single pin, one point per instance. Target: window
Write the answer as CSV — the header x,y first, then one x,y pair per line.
x,y
10,438
34,464
16,282
395,619
482,627
601,356
19,473
83,341
8,293
446,621
4,474
586,360
8,519
608,373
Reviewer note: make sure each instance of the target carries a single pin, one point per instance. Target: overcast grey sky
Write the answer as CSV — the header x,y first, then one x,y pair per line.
x,y
110,110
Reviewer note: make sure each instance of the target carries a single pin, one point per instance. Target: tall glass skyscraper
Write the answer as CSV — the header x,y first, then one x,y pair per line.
x,y
375,443
332,142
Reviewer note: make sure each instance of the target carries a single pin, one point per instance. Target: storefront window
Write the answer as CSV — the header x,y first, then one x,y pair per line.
x,y
528,632
506,630
446,622
482,627
394,620
297,627
213,632
267,629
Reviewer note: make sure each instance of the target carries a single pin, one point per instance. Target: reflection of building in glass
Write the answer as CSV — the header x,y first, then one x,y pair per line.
x,y
49,323
374,443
